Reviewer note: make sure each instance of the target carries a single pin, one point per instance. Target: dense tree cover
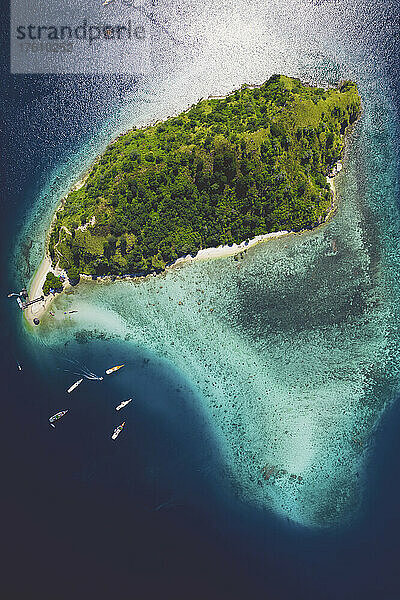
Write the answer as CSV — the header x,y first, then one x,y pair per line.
x,y
73,274
224,171
52,283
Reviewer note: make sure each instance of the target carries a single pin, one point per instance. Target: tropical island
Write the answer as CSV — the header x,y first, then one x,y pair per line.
x,y
223,172
251,165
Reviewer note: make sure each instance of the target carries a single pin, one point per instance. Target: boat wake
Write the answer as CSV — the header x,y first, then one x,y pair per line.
x,y
82,371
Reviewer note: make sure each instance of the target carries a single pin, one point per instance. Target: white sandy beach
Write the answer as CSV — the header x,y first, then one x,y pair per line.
x,y
37,310
35,290
221,251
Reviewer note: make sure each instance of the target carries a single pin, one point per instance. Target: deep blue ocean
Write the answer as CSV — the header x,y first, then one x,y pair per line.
x,y
86,519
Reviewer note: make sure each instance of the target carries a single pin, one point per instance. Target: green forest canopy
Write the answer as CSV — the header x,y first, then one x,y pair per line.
x,y
224,171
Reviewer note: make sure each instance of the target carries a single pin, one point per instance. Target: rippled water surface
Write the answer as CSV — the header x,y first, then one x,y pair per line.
x,y
268,373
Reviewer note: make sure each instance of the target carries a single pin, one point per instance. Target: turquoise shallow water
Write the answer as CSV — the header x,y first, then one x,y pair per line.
x,y
291,351
291,348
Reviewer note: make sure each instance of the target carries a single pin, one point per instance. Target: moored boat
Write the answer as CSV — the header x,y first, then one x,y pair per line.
x,y
124,403
57,417
113,369
74,385
117,431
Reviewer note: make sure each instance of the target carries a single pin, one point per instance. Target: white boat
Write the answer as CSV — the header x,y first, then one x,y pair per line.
x,y
57,416
124,403
19,367
74,386
117,431
113,369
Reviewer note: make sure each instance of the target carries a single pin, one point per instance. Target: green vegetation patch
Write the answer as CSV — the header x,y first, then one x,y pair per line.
x,y
52,284
222,172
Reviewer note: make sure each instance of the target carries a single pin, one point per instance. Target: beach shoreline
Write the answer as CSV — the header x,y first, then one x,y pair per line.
x,y
39,309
